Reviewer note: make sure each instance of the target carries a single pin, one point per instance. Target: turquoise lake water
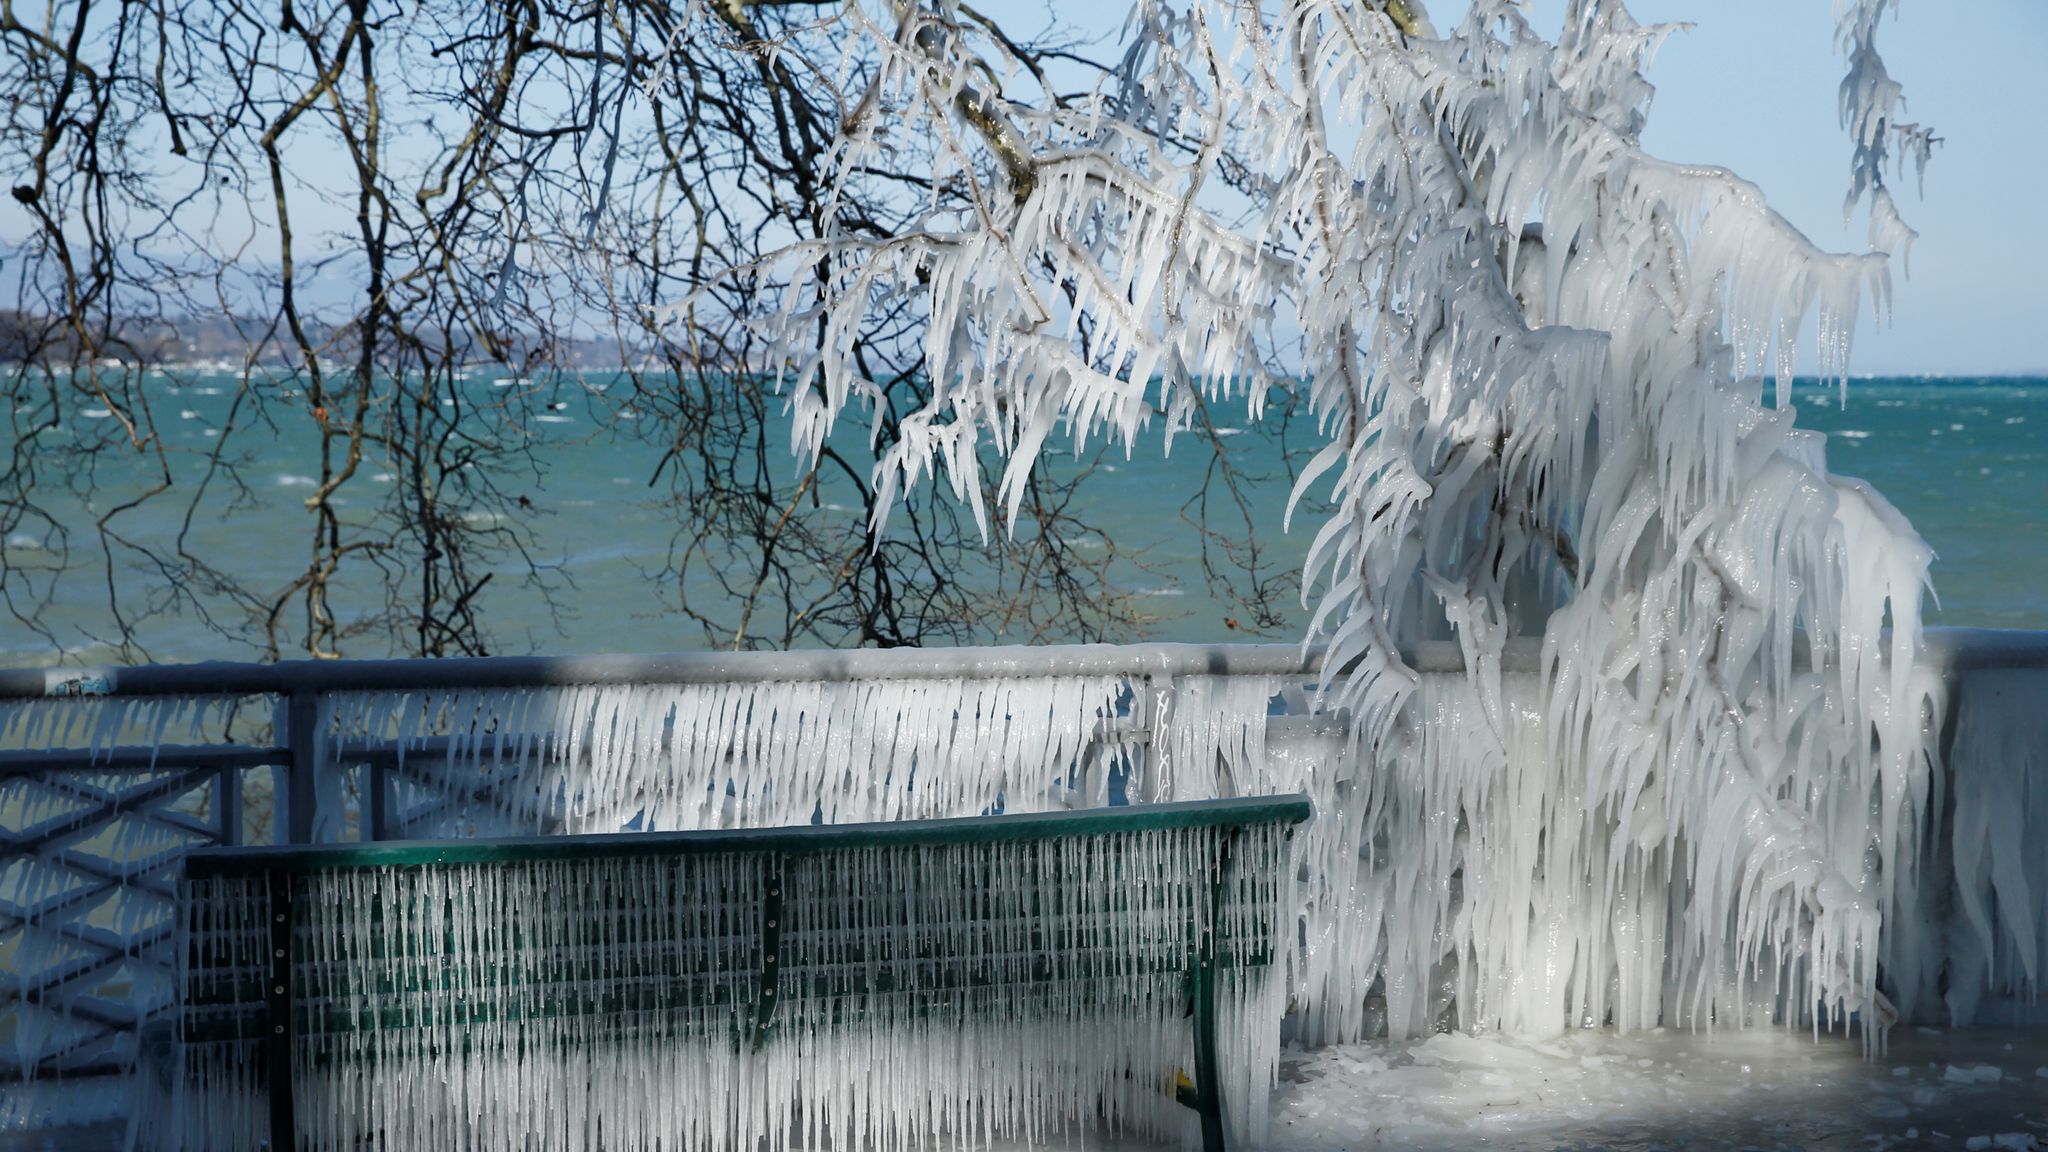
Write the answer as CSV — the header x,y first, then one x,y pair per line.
x,y
1965,459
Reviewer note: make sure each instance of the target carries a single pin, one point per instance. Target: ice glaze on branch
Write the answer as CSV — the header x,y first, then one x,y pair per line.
x,y
1557,432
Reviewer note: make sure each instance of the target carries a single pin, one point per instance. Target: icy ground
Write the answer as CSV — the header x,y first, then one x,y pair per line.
x,y
1670,1089
1596,1091
1588,1091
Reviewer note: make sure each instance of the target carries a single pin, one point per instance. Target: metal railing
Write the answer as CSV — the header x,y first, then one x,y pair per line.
x,y
96,815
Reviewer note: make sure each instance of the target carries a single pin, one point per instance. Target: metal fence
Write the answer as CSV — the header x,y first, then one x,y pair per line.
x,y
108,777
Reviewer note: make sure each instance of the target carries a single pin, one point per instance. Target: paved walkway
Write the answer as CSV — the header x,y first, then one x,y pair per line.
x,y
98,1138
1671,1090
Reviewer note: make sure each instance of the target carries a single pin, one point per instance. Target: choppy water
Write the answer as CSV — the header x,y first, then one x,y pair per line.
x,y
1965,459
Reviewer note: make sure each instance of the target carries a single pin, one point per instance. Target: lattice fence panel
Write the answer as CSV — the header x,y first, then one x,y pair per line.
x,y
89,862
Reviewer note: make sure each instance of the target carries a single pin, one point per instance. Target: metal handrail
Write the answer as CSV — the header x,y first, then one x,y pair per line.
x,y
1947,649
219,863
300,684
285,677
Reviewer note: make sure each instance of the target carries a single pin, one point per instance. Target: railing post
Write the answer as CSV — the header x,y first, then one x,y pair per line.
x,y
770,959
1204,985
377,785
278,994
302,736
227,785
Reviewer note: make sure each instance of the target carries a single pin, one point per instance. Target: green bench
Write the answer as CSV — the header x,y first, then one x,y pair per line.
x,y
883,985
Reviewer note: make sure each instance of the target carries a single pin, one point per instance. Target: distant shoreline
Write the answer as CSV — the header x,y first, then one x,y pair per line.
x,y
222,365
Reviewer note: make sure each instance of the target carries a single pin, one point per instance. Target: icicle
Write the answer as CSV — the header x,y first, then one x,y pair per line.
x,y
753,754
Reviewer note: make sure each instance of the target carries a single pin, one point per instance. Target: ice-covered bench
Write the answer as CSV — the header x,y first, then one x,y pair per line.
x,y
853,986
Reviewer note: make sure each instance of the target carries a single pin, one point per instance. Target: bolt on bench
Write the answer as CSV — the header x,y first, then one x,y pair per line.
x,y
850,986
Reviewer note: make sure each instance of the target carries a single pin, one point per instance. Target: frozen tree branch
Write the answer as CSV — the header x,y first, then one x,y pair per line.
x,y
513,183
1547,368
1556,431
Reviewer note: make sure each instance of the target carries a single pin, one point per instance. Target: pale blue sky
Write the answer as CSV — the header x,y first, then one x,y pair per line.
x,y
1753,88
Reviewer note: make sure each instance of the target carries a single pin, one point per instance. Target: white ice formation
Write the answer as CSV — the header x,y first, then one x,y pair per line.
x,y
726,755
1455,877
1429,892
1543,360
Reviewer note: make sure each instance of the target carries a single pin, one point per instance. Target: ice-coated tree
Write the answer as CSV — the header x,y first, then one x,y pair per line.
x,y
1552,372
1550,369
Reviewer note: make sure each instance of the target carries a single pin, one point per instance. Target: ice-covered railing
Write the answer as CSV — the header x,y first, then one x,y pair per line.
x,y
96,761
93,824
1454,882
925,982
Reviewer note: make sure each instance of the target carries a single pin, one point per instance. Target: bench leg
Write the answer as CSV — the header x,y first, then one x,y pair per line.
x,y
278,995
1208,1086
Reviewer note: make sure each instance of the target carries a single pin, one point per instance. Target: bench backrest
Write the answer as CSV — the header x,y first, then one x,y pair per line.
x,y
862,984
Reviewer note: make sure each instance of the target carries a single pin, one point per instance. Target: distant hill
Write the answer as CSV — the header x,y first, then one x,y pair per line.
x,y
215,339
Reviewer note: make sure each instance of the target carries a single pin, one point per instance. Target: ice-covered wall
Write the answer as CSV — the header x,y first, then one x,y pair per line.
x,y
1997,949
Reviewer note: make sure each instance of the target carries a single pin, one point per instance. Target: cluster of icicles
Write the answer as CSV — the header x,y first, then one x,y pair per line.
x,y
1459,878
874,997
1474,873
1554,374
